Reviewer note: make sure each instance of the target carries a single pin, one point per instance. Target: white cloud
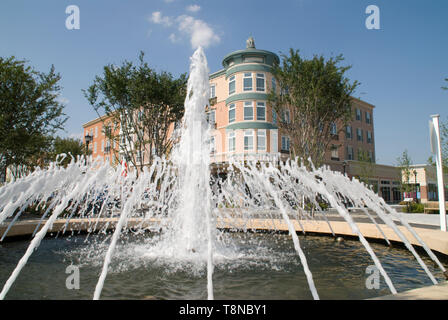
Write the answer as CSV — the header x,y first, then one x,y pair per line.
x,y
193,8
198,31
157,18
201,34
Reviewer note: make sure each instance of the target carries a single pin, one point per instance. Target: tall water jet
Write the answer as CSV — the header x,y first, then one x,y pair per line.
x,y
192,221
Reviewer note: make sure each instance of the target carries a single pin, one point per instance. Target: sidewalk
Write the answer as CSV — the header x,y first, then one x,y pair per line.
x,y
421,218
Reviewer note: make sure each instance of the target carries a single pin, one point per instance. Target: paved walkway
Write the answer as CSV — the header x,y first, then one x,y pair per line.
x,y
435,292
421,218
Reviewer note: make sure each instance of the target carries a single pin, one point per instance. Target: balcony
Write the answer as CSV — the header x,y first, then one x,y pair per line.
x,y
213,101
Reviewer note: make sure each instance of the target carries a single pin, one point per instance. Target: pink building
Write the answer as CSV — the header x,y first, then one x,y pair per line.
x,y
246,126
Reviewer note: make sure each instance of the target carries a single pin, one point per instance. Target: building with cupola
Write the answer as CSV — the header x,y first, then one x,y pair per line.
x,y
246,125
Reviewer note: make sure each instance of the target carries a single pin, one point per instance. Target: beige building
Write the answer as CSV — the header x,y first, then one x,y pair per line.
x,y
246,126
422,181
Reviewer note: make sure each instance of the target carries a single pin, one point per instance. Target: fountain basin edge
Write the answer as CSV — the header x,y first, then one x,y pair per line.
x,y
435,239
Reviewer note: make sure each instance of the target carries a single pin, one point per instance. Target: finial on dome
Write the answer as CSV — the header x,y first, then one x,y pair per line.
x,y
250,43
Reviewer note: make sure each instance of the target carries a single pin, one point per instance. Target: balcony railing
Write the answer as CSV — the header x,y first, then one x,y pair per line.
x,y
213,101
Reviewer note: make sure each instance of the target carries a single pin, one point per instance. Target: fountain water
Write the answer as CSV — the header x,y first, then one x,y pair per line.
x,y
177,195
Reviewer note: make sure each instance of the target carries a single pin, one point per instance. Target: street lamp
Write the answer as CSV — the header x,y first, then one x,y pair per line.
x,y
344,164
88,138
416,189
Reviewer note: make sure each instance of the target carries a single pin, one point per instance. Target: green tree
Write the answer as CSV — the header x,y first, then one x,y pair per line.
x,y
366,167
144,102
29,112
313,95
404,163
69,146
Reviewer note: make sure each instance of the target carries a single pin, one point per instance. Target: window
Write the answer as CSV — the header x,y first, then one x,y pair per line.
x,y
231,141
260,82
261,111
212,91
359,134
286,116
369,137
94,147
371,156
248,110
274,116
334,152
368,119
350,155
107,130
285,143
247,82
333,129
358,114
385,193
139,157
231,85
211,117
261,140
96,132
274,84
140,116
231,113
102,145
107,149
254,59
274,141
348,132
212,145
248,140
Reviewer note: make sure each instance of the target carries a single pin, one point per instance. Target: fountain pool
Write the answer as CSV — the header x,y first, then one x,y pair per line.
x,y
252,266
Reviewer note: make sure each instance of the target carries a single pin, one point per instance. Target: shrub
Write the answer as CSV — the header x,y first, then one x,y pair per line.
x,y
414,207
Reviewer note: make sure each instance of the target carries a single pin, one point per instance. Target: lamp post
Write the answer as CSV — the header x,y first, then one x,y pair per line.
x,y
344,165
88,138
416,187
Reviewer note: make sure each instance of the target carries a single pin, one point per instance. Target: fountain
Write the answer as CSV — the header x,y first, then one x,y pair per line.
x,y
177,197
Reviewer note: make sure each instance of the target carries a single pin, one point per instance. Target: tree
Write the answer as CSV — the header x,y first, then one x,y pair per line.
x,y
69,146
145,104
29,111
366,167
314,94
404,163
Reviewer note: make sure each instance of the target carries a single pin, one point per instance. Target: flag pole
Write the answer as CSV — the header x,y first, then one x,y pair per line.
x,y
437,151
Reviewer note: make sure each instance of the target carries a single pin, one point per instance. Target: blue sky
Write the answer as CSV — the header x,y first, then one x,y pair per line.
x,y
401,67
